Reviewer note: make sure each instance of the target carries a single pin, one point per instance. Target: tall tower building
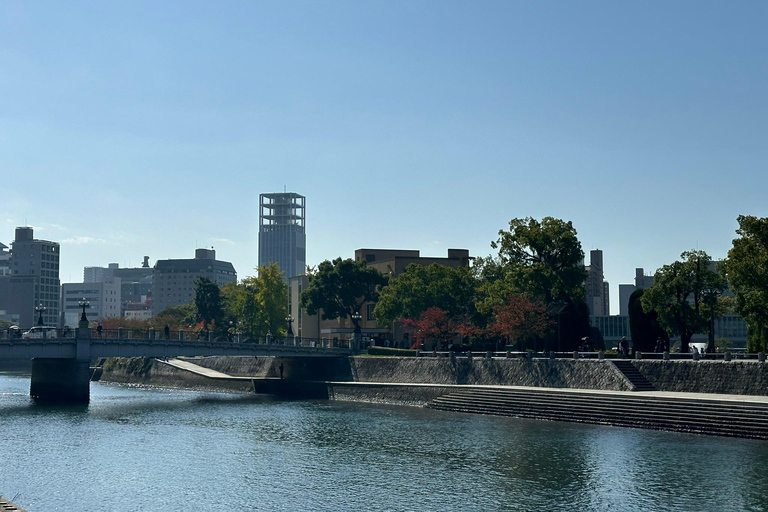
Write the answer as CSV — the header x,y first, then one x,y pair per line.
x,y
282,238
32,280
596,287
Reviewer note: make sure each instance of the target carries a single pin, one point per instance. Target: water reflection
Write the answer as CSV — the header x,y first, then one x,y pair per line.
x,y
164,449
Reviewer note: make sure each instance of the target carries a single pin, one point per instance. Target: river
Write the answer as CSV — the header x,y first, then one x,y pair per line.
x,y
150,449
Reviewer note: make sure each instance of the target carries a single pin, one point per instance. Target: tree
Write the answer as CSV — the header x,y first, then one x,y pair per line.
x,y
176,317
434,325
259,304
747,272
520,319
419,288
339,288
208,303
644,327
677,295
543,259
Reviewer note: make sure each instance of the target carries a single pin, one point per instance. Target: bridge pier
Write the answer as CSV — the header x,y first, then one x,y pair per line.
x,y
60,381
64,381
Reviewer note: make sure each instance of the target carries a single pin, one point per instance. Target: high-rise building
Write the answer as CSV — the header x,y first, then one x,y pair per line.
x,y
282,236
174,280
596,287
32,286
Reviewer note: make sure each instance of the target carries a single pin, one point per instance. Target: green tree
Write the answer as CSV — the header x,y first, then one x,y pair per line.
x,y
747,272
419,288
259,304
339,288
175,317
677,295
543,259
208,303
644,327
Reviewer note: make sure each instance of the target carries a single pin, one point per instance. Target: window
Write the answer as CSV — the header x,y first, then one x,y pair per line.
x,y
369,312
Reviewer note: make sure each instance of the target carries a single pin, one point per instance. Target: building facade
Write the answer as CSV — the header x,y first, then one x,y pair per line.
x,y
282,235
174,280
32,285
596,287
136,284
390,262
103,298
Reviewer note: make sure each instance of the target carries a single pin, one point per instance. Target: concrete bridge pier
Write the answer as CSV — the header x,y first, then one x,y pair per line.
x,y
60,381
64,381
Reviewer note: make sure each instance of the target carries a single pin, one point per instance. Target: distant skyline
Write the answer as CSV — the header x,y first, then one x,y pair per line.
x,y
144,128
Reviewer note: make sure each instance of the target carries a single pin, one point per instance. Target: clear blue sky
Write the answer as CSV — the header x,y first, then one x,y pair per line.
x,y
150,128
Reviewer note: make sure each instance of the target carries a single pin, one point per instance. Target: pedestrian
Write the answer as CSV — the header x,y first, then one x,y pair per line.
x,y
623,347
167,331
281,368
99,328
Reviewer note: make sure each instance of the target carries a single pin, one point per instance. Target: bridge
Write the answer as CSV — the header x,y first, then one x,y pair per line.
x,y
61,359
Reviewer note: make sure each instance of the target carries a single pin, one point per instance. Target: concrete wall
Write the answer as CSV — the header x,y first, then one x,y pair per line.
x,y
730,378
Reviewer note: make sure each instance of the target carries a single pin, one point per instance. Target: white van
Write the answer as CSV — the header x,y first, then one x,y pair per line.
x,y
40,332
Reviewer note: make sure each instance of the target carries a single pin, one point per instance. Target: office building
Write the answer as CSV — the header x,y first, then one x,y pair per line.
x,y
5,260
282,236
103,298
174,280
136,284
31,286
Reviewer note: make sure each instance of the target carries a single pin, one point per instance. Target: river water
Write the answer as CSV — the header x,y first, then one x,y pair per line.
x,y
170,450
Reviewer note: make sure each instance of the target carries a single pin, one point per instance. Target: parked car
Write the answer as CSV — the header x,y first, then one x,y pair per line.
x,y
40,332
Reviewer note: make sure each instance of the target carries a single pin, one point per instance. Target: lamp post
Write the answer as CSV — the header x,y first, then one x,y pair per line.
x,y
40,310
83,319
289,319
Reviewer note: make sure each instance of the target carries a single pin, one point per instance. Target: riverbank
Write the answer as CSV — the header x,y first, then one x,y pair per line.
x,y
718,377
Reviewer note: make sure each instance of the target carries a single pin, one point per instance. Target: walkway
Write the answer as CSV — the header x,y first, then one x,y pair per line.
x,y
200,370
6,505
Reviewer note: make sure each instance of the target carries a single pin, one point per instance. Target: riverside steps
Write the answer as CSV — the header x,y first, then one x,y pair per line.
x,y
721,415
634,375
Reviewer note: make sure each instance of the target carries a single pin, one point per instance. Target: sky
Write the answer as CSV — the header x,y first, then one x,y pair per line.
x,y
132,128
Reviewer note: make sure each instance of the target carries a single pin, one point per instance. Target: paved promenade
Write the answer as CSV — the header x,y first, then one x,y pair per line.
x,y
6,505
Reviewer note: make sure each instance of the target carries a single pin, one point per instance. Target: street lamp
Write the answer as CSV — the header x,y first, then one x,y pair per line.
x,y
40,310
84,304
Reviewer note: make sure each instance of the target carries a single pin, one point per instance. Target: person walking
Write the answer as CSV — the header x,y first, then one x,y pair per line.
x,y
99,328
167,331
281,368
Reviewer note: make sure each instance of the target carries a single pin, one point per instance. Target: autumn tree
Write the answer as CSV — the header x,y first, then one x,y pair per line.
x,y
747,273
340,287
520,319
433,324
677,295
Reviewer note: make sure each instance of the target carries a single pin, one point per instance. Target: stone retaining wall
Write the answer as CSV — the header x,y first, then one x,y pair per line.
x,y
726,377
558,373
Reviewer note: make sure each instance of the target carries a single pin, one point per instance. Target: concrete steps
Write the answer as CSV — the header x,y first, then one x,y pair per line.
x,y
723,418
633,374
